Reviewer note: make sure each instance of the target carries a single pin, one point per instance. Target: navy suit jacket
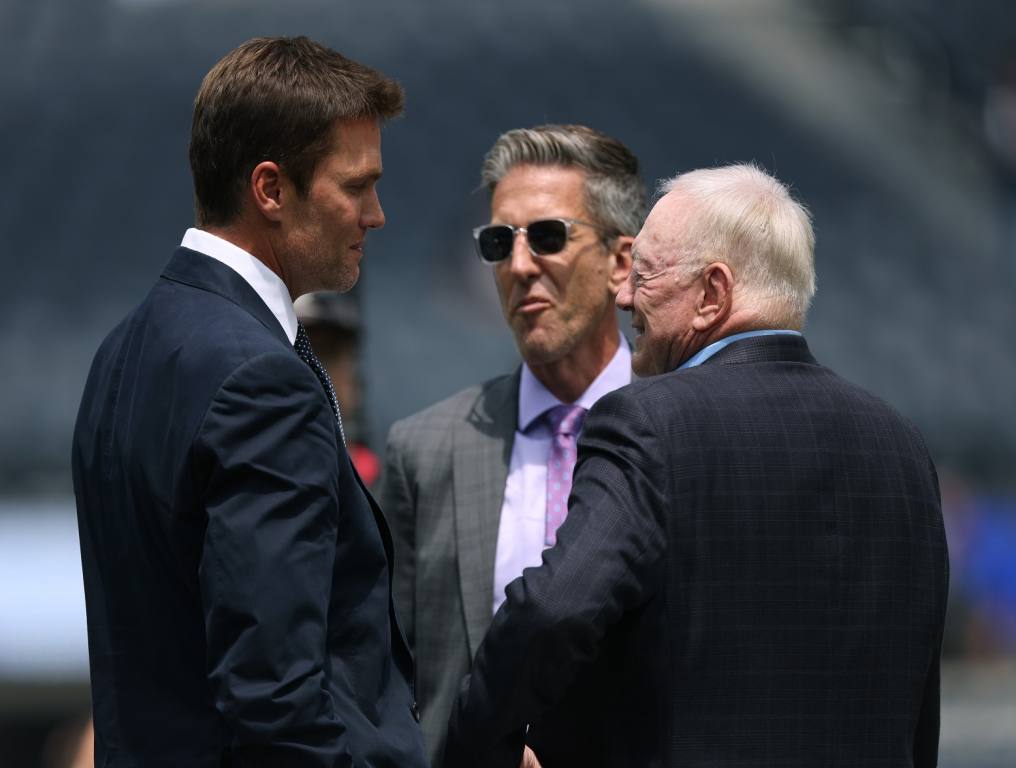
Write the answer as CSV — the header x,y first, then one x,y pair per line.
x,y
237,573
754,557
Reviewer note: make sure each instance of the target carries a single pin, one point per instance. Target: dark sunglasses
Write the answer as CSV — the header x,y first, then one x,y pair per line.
x,y
544,237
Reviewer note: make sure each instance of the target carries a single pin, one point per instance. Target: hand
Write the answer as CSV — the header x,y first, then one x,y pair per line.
x,y
529,759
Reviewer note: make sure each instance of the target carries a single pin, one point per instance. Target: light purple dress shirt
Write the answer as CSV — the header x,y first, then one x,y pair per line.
x,y
521,533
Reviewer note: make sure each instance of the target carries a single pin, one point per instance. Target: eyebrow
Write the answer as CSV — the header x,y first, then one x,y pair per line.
x,y
366,176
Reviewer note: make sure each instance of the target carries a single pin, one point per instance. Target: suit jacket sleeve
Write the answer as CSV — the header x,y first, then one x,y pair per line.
x,y
266,453
926,734
555,616
397,502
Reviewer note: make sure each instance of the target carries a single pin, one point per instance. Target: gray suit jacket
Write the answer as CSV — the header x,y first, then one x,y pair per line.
x,y
442,490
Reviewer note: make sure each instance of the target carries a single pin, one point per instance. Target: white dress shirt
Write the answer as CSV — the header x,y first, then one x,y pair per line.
x,y
266,284
521,533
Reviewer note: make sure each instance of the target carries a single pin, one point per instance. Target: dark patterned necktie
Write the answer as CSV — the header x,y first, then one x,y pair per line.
x,y
565,423
306,353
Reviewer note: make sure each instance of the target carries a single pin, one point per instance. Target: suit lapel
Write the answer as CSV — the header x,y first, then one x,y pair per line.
x,y
482,452
202,271
386,541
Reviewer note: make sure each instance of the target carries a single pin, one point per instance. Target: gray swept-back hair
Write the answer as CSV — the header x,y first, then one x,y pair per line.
x,y
749,220
614,192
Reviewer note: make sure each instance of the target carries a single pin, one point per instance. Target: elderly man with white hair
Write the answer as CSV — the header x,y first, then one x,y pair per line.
x,y
754,552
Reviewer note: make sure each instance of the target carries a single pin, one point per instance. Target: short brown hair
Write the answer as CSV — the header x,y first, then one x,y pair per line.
x,y
275,98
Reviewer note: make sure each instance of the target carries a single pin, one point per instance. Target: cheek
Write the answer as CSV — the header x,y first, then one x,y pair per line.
x,y
642,304
565,272
503,284
585,290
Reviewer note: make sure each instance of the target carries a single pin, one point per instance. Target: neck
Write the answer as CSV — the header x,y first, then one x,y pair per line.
x,y
255,244
736,322
570,376
739,321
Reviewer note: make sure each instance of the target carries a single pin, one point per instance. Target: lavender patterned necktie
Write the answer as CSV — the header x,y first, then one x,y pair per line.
x,y
565,422
306,353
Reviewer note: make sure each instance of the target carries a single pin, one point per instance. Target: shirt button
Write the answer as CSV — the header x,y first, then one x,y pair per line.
x,y
415,710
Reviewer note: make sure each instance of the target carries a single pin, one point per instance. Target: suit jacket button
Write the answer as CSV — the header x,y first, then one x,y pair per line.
x,y
415,710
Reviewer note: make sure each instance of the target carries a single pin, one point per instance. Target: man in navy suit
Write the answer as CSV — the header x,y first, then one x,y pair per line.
x,y
237,573
754,554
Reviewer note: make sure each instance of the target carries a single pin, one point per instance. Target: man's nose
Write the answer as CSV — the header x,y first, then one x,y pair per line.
x,y
523,263
372,216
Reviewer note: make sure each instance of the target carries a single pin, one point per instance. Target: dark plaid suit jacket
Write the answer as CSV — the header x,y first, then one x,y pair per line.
x,y
755,556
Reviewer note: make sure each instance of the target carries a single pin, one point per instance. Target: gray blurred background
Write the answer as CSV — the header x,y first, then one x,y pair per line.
x,y
894,120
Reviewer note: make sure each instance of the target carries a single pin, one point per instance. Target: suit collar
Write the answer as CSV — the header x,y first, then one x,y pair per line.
x,y
205,273
268,285
763,349
482,447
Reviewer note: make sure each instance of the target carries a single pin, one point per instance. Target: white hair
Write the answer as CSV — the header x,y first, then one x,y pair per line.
x,y
748,220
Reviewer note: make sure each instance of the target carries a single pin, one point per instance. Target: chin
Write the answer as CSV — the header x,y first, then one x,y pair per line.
x,y
537,350
345,281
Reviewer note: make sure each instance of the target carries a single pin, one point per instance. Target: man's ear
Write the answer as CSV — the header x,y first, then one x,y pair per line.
x,y
620,265
716,302
266,186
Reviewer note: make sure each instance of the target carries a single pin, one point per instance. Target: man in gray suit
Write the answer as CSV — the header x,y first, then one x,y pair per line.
x,y
476,485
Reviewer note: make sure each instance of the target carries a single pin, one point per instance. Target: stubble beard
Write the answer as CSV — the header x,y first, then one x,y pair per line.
x,y
332,273
541,345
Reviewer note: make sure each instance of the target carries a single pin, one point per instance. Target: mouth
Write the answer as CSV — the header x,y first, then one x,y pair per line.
x,y
531,305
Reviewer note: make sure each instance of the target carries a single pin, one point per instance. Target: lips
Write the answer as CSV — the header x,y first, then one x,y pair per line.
x,y
531,305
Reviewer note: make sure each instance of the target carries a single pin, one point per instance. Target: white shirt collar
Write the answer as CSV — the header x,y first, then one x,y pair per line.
x,y
266,284
535,399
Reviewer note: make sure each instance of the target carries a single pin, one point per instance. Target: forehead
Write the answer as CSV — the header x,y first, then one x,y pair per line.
x,y
529,192
662,232
355,146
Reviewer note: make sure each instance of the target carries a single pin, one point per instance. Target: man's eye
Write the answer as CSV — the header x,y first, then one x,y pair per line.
x,y
358,187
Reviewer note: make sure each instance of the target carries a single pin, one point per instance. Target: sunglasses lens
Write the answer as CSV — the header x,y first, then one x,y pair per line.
x,y
495,242
548,236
